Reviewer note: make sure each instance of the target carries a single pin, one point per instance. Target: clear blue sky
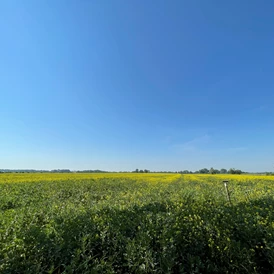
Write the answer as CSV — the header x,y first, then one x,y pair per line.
x,y
120,85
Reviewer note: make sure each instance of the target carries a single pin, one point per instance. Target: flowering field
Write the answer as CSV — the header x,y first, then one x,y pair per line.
x,y
136,223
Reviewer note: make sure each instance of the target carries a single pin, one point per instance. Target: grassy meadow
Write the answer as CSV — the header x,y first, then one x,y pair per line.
x,y
136,223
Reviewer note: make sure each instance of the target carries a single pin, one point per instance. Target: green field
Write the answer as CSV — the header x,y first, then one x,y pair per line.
x,y
132,223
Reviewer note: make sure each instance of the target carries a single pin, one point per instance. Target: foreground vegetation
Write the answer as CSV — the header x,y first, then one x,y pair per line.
x,y
136,223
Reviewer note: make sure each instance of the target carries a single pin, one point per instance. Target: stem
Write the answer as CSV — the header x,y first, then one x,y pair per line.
x,y
227,192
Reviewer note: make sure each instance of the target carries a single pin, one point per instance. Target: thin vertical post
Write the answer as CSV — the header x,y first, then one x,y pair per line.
x,y
227,192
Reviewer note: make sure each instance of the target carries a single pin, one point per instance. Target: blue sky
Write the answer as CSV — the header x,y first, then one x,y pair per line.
x,y
120,85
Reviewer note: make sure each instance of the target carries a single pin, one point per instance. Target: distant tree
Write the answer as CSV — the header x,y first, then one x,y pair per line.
x,y
213,171
146,171
223,171
204,171
267,173
60,171
235,171
141,171
136,170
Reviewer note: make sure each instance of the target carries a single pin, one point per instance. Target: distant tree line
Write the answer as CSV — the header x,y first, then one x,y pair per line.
x,y
91,171
23,171
200,171
60,171
141,171
269,173
214,171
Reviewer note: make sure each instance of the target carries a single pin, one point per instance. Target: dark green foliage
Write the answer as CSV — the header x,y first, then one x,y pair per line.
x,y
203,171
235,171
